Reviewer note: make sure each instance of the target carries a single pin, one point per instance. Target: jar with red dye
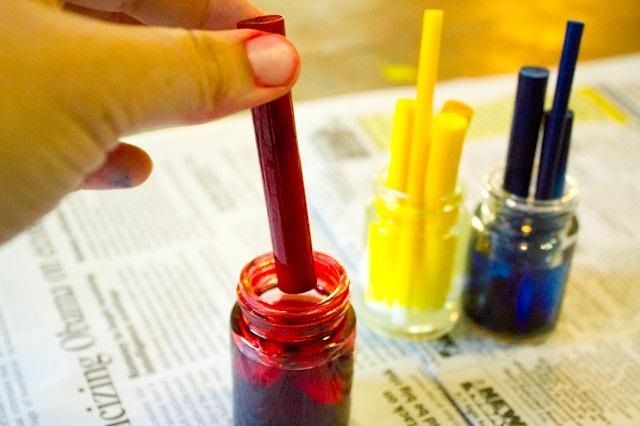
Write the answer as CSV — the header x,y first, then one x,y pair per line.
x,y
292,354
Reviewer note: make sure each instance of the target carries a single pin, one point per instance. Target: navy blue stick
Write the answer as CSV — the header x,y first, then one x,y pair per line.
x,y
550,152
558,185
525,127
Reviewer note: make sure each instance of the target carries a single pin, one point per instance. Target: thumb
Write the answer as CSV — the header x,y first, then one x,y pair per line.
x,y
127,79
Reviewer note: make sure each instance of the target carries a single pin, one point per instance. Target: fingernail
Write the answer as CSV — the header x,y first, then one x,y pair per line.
x,y
273,59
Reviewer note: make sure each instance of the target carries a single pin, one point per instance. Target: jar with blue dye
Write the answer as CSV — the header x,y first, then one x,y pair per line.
x,y
519,259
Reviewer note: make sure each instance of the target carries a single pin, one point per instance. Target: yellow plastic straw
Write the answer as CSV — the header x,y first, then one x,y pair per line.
x,y
409,253
448,132
380,245
382,233
427,73
382,238
459,107
400,142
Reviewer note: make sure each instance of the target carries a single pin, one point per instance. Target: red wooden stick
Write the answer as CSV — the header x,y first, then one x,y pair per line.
x,y
282,179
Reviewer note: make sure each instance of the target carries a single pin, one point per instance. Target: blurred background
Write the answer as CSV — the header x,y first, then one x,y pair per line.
x,y
354,45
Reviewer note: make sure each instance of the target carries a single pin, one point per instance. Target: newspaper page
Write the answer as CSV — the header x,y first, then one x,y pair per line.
x,y
114,308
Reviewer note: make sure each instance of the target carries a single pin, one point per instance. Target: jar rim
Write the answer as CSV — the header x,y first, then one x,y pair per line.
x,y
259,276
395,197
492,188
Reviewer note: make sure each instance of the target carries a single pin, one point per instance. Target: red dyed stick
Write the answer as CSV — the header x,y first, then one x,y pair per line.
x,y
282,179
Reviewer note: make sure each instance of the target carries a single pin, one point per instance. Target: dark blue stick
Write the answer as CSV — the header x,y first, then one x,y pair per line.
x,y
558,185
550,153
525,126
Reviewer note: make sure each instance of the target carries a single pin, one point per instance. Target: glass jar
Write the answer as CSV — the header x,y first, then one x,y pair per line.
x,y
414,268
519,259
292,354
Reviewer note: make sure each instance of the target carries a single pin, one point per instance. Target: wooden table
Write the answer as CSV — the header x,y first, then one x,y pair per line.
x,y
355,45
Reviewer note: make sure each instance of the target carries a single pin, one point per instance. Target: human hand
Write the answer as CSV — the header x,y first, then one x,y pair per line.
x,y
72,85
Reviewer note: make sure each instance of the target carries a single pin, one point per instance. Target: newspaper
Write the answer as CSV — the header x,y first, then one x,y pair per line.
x,y
114,308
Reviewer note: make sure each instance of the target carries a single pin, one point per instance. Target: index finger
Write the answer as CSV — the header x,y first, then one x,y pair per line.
x,y
202,14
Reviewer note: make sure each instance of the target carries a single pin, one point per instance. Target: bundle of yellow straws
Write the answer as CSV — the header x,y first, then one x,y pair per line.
x,y
411,256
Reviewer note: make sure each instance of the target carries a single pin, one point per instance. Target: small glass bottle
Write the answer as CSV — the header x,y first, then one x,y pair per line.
x,y
414,262
519,259
292,354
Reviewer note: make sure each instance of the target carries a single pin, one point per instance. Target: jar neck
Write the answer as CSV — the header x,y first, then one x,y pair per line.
x,y
392,202
537,214
288,318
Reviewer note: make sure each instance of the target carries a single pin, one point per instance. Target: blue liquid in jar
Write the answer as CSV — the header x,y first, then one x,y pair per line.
x,y
517,298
